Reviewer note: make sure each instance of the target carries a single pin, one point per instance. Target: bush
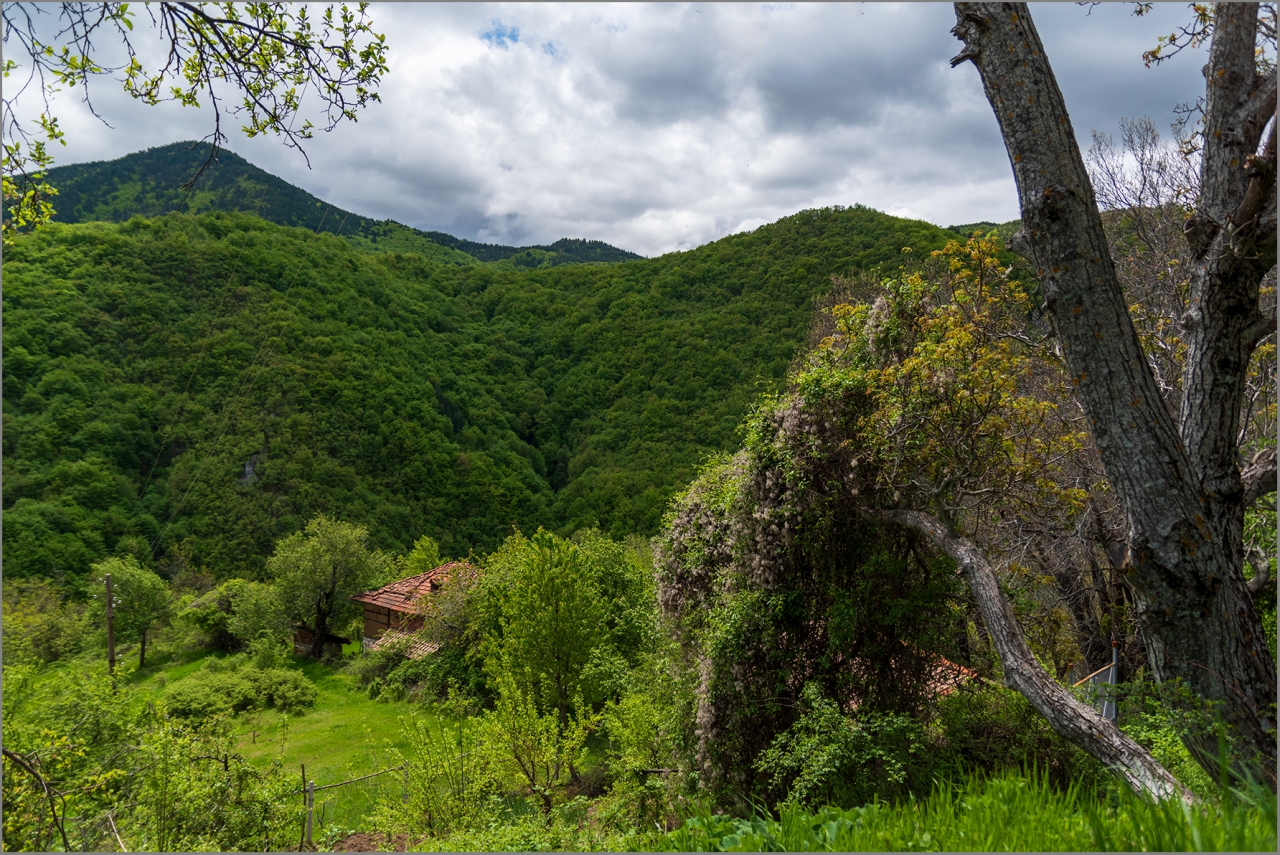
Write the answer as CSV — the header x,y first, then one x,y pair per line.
x,y
1156,715
125,771
826,758
286,690
38,626
206,694
988,728
388,674
233,614
231,685
432,676
373,666
266,652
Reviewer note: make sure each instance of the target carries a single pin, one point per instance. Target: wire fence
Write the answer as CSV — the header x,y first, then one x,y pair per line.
x,y
330,809
1101,685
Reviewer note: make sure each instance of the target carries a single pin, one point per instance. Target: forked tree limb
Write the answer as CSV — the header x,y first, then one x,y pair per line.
x,y
1261,571
1078,723
49,793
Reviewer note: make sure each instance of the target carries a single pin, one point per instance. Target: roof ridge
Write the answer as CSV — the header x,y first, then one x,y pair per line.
x,y
406,592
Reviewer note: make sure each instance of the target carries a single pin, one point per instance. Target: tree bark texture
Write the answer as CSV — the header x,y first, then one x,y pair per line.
x,y
1079,723
1180,484
321,626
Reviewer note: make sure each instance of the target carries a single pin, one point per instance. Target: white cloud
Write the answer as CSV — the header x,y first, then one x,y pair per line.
x,y
661,127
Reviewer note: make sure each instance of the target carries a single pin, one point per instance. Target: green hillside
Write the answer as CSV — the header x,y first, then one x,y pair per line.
x,y
149,183
302,374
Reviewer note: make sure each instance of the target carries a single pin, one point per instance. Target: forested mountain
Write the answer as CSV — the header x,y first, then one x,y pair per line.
x,y
194,387
149,183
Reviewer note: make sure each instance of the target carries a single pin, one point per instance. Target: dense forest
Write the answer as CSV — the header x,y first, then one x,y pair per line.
x,y
191,387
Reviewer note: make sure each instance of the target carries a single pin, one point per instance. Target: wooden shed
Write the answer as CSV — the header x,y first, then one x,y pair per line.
x,y
398,607
304,640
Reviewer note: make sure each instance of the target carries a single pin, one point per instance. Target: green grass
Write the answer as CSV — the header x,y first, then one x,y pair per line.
x,y
1009,813
344,736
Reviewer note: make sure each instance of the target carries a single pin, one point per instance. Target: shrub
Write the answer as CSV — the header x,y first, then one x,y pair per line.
x,y
231,685
828,758
38,626
982,726
234,614
285,689
267,652
206,694
125,771
432,676
373,666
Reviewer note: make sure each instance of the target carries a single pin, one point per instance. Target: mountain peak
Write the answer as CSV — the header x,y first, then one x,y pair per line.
x,y
149,183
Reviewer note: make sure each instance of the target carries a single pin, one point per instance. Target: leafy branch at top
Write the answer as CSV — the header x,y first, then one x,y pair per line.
x,y
271,53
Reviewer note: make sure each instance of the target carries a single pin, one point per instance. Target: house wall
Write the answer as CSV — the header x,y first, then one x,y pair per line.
x,y
378,619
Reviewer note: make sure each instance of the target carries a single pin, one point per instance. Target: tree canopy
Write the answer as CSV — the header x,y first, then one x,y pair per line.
x,y
317,570
140,600
217,381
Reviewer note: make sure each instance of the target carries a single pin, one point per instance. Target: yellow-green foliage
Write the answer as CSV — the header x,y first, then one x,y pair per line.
x,y
39,626
127,771
956,392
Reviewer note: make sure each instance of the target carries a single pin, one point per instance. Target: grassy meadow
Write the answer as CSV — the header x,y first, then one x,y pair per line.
x,y
344,736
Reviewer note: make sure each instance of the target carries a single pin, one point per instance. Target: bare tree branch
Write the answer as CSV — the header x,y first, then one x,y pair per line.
x,y
1259,476
49,793
1261,571
1077,722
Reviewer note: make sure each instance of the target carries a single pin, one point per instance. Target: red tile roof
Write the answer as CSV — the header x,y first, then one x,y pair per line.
x,y
415,647
406,594
947,676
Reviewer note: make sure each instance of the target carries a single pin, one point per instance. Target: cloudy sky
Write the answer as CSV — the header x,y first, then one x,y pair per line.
x,y
661,127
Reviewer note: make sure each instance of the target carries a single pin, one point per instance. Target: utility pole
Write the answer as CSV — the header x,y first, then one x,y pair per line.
x,y
111,629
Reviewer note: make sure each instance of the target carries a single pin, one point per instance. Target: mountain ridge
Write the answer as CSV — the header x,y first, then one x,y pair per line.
x,y
148,183
405,385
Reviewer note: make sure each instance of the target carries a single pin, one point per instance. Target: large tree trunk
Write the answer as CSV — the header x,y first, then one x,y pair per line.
x,y
1080,724
321,630
1180,486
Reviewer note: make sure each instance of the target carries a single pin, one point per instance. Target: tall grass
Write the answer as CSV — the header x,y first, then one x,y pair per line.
x,y
1011,812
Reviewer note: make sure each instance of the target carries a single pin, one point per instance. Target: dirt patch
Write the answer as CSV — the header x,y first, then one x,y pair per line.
x,y
368,841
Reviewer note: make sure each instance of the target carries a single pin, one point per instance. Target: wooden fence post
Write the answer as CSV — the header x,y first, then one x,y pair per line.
x,y
311,803
111,629
302,841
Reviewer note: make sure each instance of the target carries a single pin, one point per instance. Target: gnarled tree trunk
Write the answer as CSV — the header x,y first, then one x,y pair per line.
x,y
1180,485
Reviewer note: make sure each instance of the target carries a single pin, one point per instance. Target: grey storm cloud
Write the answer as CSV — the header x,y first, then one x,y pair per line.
x,y
661,127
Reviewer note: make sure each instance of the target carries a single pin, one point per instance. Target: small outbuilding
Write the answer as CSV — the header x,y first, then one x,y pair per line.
x,y
394,612
304,641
